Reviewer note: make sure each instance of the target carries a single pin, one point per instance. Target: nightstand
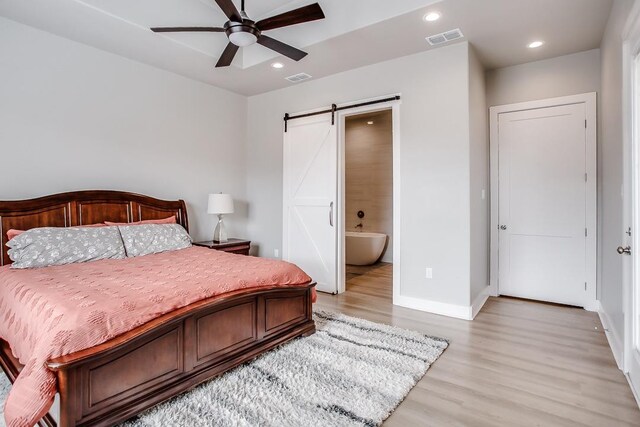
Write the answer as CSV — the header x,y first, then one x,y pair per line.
x,y
234,246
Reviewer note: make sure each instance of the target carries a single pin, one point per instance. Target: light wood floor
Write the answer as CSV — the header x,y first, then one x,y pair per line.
x,y
519,363
353,271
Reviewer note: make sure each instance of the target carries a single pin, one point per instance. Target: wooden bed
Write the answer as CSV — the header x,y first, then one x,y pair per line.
x,y
111,382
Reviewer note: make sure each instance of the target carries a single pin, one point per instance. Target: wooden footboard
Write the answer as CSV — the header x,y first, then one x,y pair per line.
x,y
109,383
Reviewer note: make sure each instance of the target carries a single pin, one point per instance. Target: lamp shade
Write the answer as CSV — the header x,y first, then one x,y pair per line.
x,y
220,204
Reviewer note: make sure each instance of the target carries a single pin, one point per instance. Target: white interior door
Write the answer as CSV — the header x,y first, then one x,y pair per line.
x,y
631,220
542,204
310,192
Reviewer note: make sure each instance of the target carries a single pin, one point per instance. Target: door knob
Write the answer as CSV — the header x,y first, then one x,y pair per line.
x,y
503,227
624,251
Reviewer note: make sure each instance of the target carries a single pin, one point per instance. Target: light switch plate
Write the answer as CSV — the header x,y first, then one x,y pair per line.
x,y
429,273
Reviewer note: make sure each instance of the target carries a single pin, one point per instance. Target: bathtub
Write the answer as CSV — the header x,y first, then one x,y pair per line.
x,y
364,248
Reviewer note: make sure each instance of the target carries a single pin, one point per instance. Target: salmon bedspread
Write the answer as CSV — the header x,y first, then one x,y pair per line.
x,y
54,311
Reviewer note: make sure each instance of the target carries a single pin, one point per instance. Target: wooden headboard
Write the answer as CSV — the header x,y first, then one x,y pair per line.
x,y
83,208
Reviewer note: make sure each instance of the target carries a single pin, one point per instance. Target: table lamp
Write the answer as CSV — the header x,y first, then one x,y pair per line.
x,y
220,204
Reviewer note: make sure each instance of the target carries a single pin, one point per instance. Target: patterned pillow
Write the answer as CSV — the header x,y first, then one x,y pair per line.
x,y
153,238
46,246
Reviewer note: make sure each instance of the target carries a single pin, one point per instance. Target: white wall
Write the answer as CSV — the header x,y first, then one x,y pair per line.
x,y
434,159
565,75
73,117
611,167
479,177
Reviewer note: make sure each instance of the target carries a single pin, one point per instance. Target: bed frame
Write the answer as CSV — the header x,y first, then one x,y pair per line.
x,y
114,381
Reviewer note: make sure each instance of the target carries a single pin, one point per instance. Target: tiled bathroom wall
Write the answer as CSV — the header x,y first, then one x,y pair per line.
x,y
369,174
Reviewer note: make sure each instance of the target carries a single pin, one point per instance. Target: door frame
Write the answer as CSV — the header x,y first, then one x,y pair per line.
x,y
589,99
631,184
394,106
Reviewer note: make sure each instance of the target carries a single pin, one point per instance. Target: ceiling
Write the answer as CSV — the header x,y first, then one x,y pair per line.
x,y
376,117
355,33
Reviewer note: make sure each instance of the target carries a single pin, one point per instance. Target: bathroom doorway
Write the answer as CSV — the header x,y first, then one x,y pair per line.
x,y
368,199
314,220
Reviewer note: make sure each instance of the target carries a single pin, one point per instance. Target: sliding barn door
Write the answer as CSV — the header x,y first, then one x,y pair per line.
x,y
310,191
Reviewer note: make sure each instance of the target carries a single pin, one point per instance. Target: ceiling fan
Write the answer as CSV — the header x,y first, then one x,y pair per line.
x,y
242,31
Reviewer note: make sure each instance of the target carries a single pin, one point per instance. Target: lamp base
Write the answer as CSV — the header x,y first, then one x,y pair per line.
x,y
220,233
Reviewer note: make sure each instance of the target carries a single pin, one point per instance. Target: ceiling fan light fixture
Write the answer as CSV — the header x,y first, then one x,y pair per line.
x,y
242,31
242,38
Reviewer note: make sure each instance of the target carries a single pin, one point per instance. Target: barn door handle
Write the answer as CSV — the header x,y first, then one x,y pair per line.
x,y
331,214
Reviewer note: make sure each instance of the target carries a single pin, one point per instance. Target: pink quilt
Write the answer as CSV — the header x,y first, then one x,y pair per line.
x,y
54,311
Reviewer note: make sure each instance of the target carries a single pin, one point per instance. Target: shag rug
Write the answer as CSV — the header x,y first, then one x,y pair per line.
x,y
351,372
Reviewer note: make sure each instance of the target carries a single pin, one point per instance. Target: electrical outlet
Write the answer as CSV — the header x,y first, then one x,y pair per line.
x,y
276,253
429,273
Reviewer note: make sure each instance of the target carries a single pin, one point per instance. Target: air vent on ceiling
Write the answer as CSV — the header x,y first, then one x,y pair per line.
x,y
298,77
445,37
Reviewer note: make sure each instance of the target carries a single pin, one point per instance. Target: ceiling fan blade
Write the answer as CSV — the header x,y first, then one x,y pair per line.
x,y
187,29
230,10
227,55
282,48
312,12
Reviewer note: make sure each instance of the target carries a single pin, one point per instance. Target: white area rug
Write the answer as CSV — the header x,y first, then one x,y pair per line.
x,y
351,372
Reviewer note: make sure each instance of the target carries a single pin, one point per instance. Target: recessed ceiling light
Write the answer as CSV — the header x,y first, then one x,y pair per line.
x,y
277,65
432,16
369,122
535,44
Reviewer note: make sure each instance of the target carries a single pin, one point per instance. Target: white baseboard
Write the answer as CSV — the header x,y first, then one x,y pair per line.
x,y
617,347
441,308
435,307
615,342
445,309
593,306
478,303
